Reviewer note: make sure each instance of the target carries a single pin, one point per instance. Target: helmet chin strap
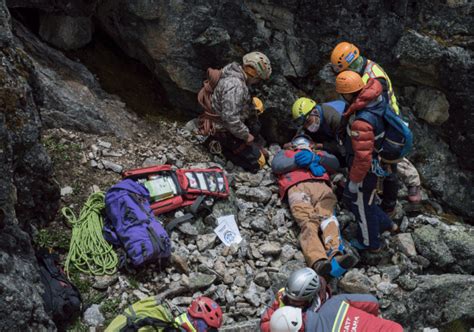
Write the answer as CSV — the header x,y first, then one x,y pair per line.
x,y
357,65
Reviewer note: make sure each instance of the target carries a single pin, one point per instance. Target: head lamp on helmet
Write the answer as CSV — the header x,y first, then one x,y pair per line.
x,y
303,141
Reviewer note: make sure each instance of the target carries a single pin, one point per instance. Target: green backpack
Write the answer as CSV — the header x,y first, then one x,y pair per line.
x,y
146,315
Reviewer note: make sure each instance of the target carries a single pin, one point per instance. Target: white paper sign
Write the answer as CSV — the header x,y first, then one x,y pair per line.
x,y
227,230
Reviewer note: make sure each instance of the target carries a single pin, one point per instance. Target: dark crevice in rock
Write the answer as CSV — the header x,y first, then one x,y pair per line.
x,y
29,17
123,76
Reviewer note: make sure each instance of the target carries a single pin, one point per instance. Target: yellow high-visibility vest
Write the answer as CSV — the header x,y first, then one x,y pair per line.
x,y
183,319
373,70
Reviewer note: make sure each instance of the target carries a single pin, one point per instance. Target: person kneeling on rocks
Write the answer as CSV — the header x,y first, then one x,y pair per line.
x,y
230,114
344,312
202,315
304,290
303,178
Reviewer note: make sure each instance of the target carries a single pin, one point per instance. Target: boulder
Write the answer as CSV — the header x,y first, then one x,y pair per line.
x,y
432,158
354,281
259,195
405,244
453,294
461,246
429,243
431,105
65,32
68,94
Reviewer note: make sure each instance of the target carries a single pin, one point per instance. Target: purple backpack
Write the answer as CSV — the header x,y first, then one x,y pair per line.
x,y
130,223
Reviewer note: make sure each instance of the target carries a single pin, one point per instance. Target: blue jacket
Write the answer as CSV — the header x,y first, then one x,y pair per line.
x,y
330,114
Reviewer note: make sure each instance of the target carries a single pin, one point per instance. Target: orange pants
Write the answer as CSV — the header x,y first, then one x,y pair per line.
x,y
312,205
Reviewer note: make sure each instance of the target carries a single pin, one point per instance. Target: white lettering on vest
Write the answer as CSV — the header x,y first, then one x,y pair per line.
x,y
355,323
347,324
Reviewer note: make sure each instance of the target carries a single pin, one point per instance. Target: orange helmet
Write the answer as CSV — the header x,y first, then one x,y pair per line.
x,y
349,82
343,55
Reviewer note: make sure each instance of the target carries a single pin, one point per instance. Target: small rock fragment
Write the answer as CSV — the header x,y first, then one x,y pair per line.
x,y
66,191
93,317
112,166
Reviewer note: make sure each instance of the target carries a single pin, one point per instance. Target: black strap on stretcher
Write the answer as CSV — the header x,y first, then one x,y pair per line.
x,y
188,216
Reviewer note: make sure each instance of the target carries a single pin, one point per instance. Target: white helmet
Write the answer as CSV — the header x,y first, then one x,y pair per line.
x,y
286,319
260,63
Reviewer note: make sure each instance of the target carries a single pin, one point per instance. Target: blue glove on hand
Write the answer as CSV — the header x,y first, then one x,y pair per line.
x,y
317,169
305,157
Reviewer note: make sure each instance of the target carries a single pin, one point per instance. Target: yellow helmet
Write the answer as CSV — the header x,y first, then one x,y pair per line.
x,y
258,104
302,107
343,55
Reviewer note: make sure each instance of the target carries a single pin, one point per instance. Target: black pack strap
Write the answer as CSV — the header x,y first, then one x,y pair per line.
x,y
158,242
175,222
174,177
133,326
195,206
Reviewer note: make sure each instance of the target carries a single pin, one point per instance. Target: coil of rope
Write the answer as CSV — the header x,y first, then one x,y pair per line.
x,y
89,252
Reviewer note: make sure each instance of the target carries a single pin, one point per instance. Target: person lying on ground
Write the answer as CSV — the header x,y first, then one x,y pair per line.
x,y
303,178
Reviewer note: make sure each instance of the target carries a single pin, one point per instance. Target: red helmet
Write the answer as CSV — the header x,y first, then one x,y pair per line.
x,y
206,309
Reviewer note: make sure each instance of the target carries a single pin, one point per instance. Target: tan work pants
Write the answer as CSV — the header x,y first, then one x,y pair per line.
x,y
408,173
312,205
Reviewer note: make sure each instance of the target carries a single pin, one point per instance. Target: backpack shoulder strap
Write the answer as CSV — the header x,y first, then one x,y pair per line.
x,y
133,326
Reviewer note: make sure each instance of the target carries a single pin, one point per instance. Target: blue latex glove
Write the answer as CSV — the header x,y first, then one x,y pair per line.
x,y
304,158
317,169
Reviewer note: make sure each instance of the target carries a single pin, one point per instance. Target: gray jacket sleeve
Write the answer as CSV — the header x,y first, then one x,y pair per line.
x,y
329,162
282,164
233,103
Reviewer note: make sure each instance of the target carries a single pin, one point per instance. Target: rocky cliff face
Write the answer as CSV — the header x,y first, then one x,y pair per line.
x,y
28,195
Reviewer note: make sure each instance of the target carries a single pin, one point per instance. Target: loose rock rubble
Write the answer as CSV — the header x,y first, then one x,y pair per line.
x,y
244,277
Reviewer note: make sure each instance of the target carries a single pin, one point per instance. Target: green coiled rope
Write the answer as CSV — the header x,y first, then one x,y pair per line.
x,y
89,252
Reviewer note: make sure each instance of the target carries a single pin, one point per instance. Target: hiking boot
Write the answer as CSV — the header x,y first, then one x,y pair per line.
x,y
322,267
391,213
346,261
361,247
414,194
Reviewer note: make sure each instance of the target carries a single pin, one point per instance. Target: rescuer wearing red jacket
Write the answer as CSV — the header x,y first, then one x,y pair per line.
x,y
341,313
362,132
305,289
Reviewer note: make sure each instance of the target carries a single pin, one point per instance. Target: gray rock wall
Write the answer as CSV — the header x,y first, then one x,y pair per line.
x,y
28,195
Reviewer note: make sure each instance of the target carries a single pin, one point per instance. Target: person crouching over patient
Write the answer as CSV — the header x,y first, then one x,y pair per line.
x,y
302,177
